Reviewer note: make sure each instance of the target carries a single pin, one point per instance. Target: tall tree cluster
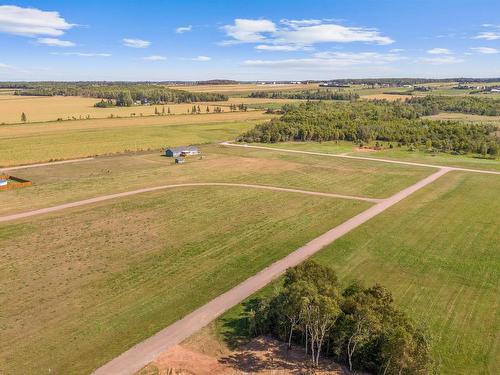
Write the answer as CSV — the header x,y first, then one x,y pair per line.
x,y
143,93
324,94
433,104
357,326
374,121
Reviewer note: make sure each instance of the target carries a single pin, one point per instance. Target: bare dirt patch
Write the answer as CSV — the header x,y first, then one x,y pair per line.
x,y
366,149
262,355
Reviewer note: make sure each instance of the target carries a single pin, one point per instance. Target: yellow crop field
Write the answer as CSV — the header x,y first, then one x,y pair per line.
x,y
245,88
52,108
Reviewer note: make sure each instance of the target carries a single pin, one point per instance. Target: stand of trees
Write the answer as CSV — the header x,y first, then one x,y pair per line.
x,y
144,93
357,326
309,95
431,104
374,121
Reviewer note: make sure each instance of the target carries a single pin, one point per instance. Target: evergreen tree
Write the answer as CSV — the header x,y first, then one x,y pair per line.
x,y
23,117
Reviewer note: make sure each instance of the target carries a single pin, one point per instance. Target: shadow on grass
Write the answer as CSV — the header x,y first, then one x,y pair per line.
x,y
234,328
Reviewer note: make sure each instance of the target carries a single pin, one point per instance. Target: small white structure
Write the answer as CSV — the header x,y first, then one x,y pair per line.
x,y
182,151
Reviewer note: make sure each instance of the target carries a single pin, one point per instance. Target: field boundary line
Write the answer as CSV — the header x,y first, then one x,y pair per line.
x,y
361,158
146,351
103,198
46,164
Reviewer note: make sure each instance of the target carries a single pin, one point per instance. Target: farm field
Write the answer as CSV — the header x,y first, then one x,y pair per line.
x,y
464,117
440,258
31,143
244,89
401,154
100,279
52,108
438,252
65,183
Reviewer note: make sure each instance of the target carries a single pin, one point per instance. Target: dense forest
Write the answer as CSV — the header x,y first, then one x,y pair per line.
x,y
356,326
432,104
374,121
122,94
309,95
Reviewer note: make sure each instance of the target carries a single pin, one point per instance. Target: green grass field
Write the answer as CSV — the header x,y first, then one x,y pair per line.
x,y
438,252
349,148
18,150
81,286
64,183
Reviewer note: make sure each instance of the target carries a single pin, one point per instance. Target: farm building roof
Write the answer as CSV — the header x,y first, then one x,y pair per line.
x,y
183,148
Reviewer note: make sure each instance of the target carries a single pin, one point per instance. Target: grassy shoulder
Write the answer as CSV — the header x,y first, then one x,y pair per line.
x,y
437,251
100,279
64,183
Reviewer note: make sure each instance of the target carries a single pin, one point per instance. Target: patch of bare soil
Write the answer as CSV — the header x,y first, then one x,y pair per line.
x,y
262,355
366,149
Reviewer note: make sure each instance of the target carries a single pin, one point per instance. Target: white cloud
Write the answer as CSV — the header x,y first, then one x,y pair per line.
x,y
298,33
54,42
5,66
396,50
442,60
154,58
81,54
330,33
136,43
248,31
201,58
183,29
485,50
360,57
491,25
329,60
439,51
278,47
487,35
31,21
295,23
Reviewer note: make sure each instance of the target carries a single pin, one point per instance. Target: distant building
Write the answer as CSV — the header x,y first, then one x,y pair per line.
x,y
174,152
180,160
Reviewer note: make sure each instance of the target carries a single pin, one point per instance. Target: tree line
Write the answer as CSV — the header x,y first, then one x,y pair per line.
x,y
374,121
433,104
308,94
358,326
123,94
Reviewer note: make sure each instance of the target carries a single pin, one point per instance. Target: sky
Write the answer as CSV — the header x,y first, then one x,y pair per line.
x,y
248,40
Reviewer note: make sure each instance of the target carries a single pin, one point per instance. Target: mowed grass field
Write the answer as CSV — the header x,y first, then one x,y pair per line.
x,y
438,251
52,108
65,183
396,153
31,143
81,286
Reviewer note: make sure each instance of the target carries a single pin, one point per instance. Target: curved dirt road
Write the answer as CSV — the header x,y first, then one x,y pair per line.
x,y
102,198
141,354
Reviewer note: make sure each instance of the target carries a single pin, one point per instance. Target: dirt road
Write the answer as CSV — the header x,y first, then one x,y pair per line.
x,y
45,164
103,198
141,354
360,158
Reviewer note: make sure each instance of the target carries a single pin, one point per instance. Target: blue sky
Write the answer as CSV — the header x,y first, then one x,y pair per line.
x,y
248,40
